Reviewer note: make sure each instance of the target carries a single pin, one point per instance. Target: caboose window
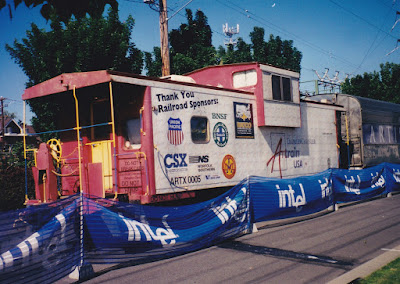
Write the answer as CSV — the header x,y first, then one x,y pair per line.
x,y
132,133
281,89
199,129
245,78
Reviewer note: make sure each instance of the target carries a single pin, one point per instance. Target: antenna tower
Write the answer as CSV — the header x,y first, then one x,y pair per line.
x,y
229,33
332,84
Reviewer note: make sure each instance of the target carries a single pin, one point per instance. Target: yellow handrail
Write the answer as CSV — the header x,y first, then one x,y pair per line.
x,y
34,154
112,113
78,137
44,187
146,169
113,139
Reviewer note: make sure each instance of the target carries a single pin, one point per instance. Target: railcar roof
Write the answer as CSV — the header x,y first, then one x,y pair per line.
x,y
371,104
365,103
68,81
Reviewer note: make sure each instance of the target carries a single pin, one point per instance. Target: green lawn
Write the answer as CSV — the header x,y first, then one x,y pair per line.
x,y
387,274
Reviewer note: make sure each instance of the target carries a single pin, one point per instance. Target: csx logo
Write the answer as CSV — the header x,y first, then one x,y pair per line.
x,y
175,161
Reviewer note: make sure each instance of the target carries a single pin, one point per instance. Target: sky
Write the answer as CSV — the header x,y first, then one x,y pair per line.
x,y
348,36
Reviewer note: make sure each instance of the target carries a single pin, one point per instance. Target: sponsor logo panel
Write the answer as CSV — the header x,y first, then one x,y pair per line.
x,y
229,166
175,160
220,134
203,163
175,133
218,115
244,127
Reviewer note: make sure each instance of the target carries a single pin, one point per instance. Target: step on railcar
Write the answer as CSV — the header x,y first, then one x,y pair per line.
x,y
157,139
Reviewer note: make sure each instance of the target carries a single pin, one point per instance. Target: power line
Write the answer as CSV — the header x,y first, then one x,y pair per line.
x,y
265,22
361,18
376,37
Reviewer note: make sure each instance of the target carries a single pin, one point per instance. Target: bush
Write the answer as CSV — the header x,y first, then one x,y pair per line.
x,y
12,187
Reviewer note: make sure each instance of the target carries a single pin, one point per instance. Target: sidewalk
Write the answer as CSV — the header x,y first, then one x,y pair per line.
x,y
368,267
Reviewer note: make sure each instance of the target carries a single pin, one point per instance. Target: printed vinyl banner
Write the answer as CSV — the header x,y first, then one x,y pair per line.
x,y
36,249
273,198
355,185
392,174
134,231
45,243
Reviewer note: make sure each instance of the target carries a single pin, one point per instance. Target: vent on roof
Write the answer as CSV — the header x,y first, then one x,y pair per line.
x,y
180,78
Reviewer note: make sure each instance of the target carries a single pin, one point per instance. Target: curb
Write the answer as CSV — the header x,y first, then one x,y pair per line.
x,y
368,267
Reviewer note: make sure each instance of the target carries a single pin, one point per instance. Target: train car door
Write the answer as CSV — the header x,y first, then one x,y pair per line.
x,y
348,143
101,142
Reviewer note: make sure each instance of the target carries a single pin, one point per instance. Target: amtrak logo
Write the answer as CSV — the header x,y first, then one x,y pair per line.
x,y
220,134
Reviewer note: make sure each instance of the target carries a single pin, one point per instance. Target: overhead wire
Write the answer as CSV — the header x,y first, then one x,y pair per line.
x,y
361,18
376,37
265,22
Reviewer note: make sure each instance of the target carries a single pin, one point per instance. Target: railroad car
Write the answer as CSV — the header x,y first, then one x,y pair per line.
x,y
149,140
368,130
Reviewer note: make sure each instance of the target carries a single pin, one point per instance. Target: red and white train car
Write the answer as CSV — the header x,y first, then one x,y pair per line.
x,y
152,140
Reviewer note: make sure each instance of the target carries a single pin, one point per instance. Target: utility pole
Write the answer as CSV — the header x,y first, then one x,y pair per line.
x,y
162,9
2,114
165,69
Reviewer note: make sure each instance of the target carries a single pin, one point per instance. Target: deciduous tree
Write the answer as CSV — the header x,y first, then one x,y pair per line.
x,y
191,47
383,85
79,45
63,9
276,52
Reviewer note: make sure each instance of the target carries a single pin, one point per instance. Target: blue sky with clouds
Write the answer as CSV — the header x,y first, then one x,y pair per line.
x,y
351,37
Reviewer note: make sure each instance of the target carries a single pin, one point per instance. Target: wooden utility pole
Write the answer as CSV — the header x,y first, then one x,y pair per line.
x,y
2,115
164,38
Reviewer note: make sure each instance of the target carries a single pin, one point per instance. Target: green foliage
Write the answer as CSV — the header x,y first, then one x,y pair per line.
x,y
15,157
240,53
79,45
191,47
388,274
12,187
65,9
274,52
383,85
153,66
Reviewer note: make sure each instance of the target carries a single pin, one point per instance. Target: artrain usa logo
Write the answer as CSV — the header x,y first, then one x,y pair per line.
x,y
175,133
283,155
220,134
229,166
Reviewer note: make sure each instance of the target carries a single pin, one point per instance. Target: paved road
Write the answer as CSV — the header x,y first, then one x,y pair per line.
x,y
311,251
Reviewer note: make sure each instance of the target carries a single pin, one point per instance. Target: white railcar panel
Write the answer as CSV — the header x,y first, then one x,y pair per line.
x,y
182,165
282,114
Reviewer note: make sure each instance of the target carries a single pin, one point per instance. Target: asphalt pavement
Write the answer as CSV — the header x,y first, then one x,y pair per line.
x,y
334,247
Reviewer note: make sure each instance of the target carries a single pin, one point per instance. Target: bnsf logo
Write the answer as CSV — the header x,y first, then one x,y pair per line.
x,y
198,159
175,161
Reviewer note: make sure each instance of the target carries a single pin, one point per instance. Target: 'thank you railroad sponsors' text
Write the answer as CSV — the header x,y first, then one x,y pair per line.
x,y
181,100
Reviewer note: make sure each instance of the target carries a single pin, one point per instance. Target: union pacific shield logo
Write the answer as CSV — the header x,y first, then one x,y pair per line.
x,y
175,133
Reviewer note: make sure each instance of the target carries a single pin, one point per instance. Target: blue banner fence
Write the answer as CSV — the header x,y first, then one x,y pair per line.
x,y
44,243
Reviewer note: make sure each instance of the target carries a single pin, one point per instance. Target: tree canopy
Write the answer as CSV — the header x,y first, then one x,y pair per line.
x,y
191,49
383,85
275,51
79,45
64,9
